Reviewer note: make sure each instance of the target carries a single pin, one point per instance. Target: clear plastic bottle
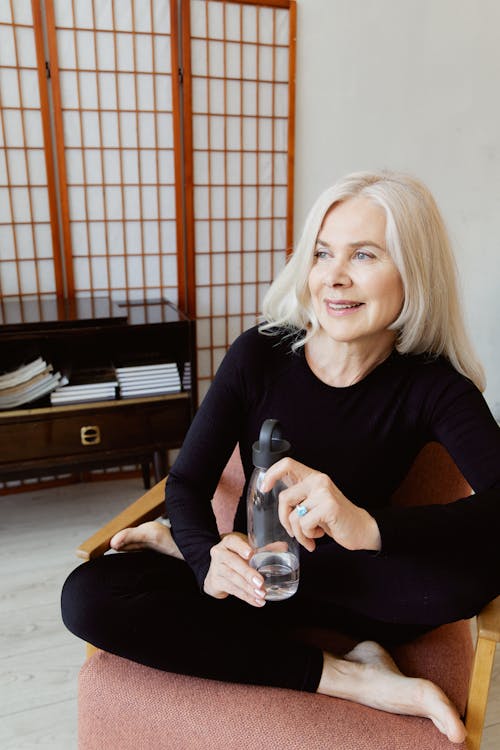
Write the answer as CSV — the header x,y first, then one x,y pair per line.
x,y
276,555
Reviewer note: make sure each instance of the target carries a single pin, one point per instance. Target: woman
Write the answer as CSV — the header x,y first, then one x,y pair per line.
x,y
363,359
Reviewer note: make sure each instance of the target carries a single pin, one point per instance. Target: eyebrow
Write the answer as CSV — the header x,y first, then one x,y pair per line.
x,y
359,243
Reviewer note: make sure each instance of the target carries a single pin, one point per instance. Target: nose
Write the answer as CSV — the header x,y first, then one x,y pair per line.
x,y
336,273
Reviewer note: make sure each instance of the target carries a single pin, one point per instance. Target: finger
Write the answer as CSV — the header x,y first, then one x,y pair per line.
x,y
237,544
233,576
288,501
312,524
230,566
280,469
240,589
284,510
298,532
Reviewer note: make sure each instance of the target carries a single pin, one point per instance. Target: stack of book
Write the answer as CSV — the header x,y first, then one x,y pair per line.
x,y
186,377
28,383
90,384
148,380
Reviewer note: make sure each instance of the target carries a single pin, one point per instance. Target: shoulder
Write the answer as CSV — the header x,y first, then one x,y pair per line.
x,y
253,361
256,359
435,387
433,372
274,345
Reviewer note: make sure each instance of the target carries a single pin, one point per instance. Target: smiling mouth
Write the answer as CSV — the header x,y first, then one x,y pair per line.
x,y
339,306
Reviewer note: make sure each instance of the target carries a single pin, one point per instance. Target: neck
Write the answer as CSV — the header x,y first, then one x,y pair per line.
x,y
342,364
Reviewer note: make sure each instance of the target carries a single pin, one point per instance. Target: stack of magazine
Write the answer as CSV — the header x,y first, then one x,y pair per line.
x,y
89,384
28,383
148,380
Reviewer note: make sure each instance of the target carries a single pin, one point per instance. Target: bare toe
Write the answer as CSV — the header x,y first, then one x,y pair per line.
x,y
126,539
441,711
118,540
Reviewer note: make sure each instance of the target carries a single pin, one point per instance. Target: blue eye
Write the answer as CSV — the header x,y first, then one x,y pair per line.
x,y
362,255
321,254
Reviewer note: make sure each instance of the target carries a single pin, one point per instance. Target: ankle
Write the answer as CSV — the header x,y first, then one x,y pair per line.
x,y
337,677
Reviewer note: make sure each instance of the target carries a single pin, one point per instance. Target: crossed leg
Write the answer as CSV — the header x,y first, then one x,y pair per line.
x,y
367,674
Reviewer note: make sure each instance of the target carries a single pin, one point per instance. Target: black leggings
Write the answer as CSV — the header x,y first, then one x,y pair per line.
x,y
148,608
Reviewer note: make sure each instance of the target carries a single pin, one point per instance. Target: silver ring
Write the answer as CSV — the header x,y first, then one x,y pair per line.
x,y
301,510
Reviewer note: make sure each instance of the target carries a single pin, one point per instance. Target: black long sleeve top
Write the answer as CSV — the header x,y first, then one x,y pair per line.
x,y
364,436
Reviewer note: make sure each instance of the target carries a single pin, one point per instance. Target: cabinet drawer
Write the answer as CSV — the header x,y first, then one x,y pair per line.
x,y
72,433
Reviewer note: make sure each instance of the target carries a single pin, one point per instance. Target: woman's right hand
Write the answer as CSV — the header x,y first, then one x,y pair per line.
x,y
230,573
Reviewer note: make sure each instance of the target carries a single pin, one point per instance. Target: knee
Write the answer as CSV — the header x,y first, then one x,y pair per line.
x,y
80,602
458,601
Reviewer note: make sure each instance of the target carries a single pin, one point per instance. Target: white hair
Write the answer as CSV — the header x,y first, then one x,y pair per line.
x,y
416,238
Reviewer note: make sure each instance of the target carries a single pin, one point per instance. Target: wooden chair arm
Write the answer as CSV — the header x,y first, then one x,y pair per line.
x,y
488,621
146,508
488,635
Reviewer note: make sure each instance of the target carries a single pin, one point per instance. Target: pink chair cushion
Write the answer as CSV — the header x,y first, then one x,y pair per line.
x,y
128,706
228,493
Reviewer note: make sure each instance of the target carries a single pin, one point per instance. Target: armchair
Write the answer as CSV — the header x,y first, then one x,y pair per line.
x,y
127,705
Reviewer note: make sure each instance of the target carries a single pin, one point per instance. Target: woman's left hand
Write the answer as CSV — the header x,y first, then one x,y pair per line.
x,y
328,511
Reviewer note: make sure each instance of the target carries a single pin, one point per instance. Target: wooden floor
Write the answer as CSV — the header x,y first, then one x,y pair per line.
x,y
39,659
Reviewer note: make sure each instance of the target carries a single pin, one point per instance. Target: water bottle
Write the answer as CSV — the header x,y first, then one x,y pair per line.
x,y
276,554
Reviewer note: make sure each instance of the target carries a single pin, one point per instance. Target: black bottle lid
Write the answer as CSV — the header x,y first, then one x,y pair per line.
x,y
271,446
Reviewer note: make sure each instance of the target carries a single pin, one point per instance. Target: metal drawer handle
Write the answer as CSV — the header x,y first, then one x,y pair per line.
x,y
90,435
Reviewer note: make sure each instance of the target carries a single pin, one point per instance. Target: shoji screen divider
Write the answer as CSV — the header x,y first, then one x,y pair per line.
x,y
114,67
30,251
239,74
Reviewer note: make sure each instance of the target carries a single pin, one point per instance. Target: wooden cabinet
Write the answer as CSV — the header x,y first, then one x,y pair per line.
x,y
39,438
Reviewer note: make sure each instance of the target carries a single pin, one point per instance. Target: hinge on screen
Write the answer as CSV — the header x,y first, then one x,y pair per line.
x,y
47,68
181,74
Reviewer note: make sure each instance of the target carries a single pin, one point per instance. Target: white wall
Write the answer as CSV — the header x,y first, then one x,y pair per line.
x,y
413,86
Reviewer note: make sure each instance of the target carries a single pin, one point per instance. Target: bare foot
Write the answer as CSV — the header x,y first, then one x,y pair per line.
x,y
368,675
149,535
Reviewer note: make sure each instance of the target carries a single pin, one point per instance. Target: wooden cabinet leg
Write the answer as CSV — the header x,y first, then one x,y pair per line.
x,y
146,474
160,465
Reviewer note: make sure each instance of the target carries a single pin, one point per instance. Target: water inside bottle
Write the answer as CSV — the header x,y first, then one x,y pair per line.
x,y
280,571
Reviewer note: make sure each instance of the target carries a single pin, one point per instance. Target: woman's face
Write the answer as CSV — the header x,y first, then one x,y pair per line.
x,y
356,289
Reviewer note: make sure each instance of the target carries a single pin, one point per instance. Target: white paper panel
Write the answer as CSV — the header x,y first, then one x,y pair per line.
x,y
217,301
8,54
24,238
218,234
9,87
7,242
249,23
97,235
265,266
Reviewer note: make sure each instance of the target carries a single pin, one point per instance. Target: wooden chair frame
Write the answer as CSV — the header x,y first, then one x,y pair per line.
x,y
150,505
